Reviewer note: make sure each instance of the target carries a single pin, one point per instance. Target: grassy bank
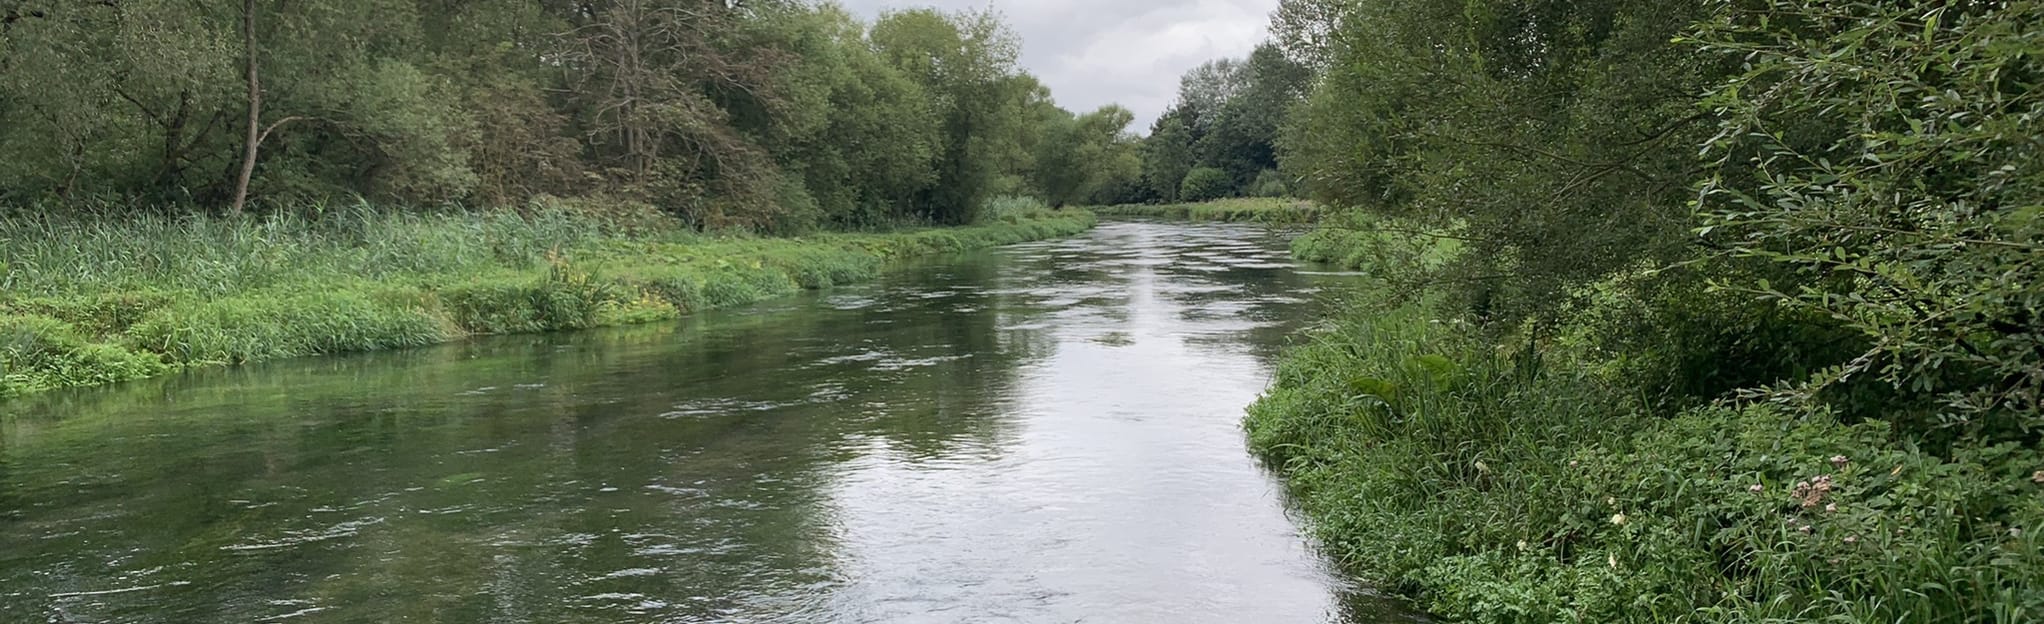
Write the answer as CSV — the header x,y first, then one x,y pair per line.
x,y
1497,479
1259,210
100,301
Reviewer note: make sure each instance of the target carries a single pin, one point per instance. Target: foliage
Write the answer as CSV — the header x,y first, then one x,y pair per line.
x,y
1260,210
1711,312
1894,170
1226,119
966,63
1205,184
1501,488
1081,157
781,116
98,301
1554,136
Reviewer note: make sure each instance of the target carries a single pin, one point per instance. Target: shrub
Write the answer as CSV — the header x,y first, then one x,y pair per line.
x,y
1270,183
1507,485
1012,209
1205,184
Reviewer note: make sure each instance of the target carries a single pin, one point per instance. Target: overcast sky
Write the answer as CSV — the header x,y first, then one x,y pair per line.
x,y
1131,52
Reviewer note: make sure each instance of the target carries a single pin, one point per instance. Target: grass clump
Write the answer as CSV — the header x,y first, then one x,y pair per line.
x,y
96,301
39,353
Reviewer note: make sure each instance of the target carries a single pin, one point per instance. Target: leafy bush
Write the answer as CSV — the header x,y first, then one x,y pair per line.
x,y
1205,184
1012,209
1514,486
1905,201
1270,183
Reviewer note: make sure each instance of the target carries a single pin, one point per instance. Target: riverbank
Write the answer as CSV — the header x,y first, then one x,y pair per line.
x,y
1239,210
102,301
1588,472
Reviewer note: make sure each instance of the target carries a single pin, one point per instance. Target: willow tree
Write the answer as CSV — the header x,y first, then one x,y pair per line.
x,y
965,64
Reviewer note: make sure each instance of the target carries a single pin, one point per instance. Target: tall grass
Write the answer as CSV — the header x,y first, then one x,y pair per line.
x,y
61,255
96,300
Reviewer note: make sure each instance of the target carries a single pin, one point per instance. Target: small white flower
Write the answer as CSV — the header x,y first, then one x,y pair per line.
x,y
1618,519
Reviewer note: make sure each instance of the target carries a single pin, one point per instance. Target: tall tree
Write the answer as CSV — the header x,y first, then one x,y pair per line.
x,y
1542,132
966,64
1079,155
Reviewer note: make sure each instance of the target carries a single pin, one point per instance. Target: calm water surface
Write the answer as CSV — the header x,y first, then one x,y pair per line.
x,y
1042,433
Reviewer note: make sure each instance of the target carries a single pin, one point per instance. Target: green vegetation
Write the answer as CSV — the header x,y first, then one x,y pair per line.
x,y
169,167
91,301
1220,139
1262,210
783,116
1687,312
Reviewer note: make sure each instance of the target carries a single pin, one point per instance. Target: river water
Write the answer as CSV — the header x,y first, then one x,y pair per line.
x,y
1041,433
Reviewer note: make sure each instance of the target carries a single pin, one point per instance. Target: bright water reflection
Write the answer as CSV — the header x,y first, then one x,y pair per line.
x,y
1045,433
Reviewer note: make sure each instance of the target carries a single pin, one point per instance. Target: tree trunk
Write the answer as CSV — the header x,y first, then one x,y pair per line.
x,y
255,108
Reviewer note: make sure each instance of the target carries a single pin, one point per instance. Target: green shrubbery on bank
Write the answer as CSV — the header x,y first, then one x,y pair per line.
x,y
1498,483
1259,210
94,302
1687,311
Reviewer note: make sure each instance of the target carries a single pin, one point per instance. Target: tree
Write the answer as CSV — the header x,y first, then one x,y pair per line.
x,y
1904,200
1168,155
1079,154
758,114
860,135
1206,184
1241,138
966,64
1308,31
656,78
1543,135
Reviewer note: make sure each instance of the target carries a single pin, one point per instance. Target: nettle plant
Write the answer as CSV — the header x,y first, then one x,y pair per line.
x,y
1886,156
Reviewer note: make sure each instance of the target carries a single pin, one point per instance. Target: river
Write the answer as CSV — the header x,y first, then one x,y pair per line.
x,y
1041,433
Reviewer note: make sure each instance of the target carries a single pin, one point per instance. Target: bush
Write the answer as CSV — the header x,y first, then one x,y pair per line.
x,y
1512,485
1012,209
1270,183
1903,202
1205,184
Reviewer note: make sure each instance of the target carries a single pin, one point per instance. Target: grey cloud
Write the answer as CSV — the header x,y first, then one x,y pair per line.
x,y
1130,52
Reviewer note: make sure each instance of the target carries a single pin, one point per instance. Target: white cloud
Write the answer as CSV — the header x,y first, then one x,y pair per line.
x,y
1130,52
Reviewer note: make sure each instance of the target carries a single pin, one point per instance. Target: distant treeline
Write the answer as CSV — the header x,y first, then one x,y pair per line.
x,y
774,115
